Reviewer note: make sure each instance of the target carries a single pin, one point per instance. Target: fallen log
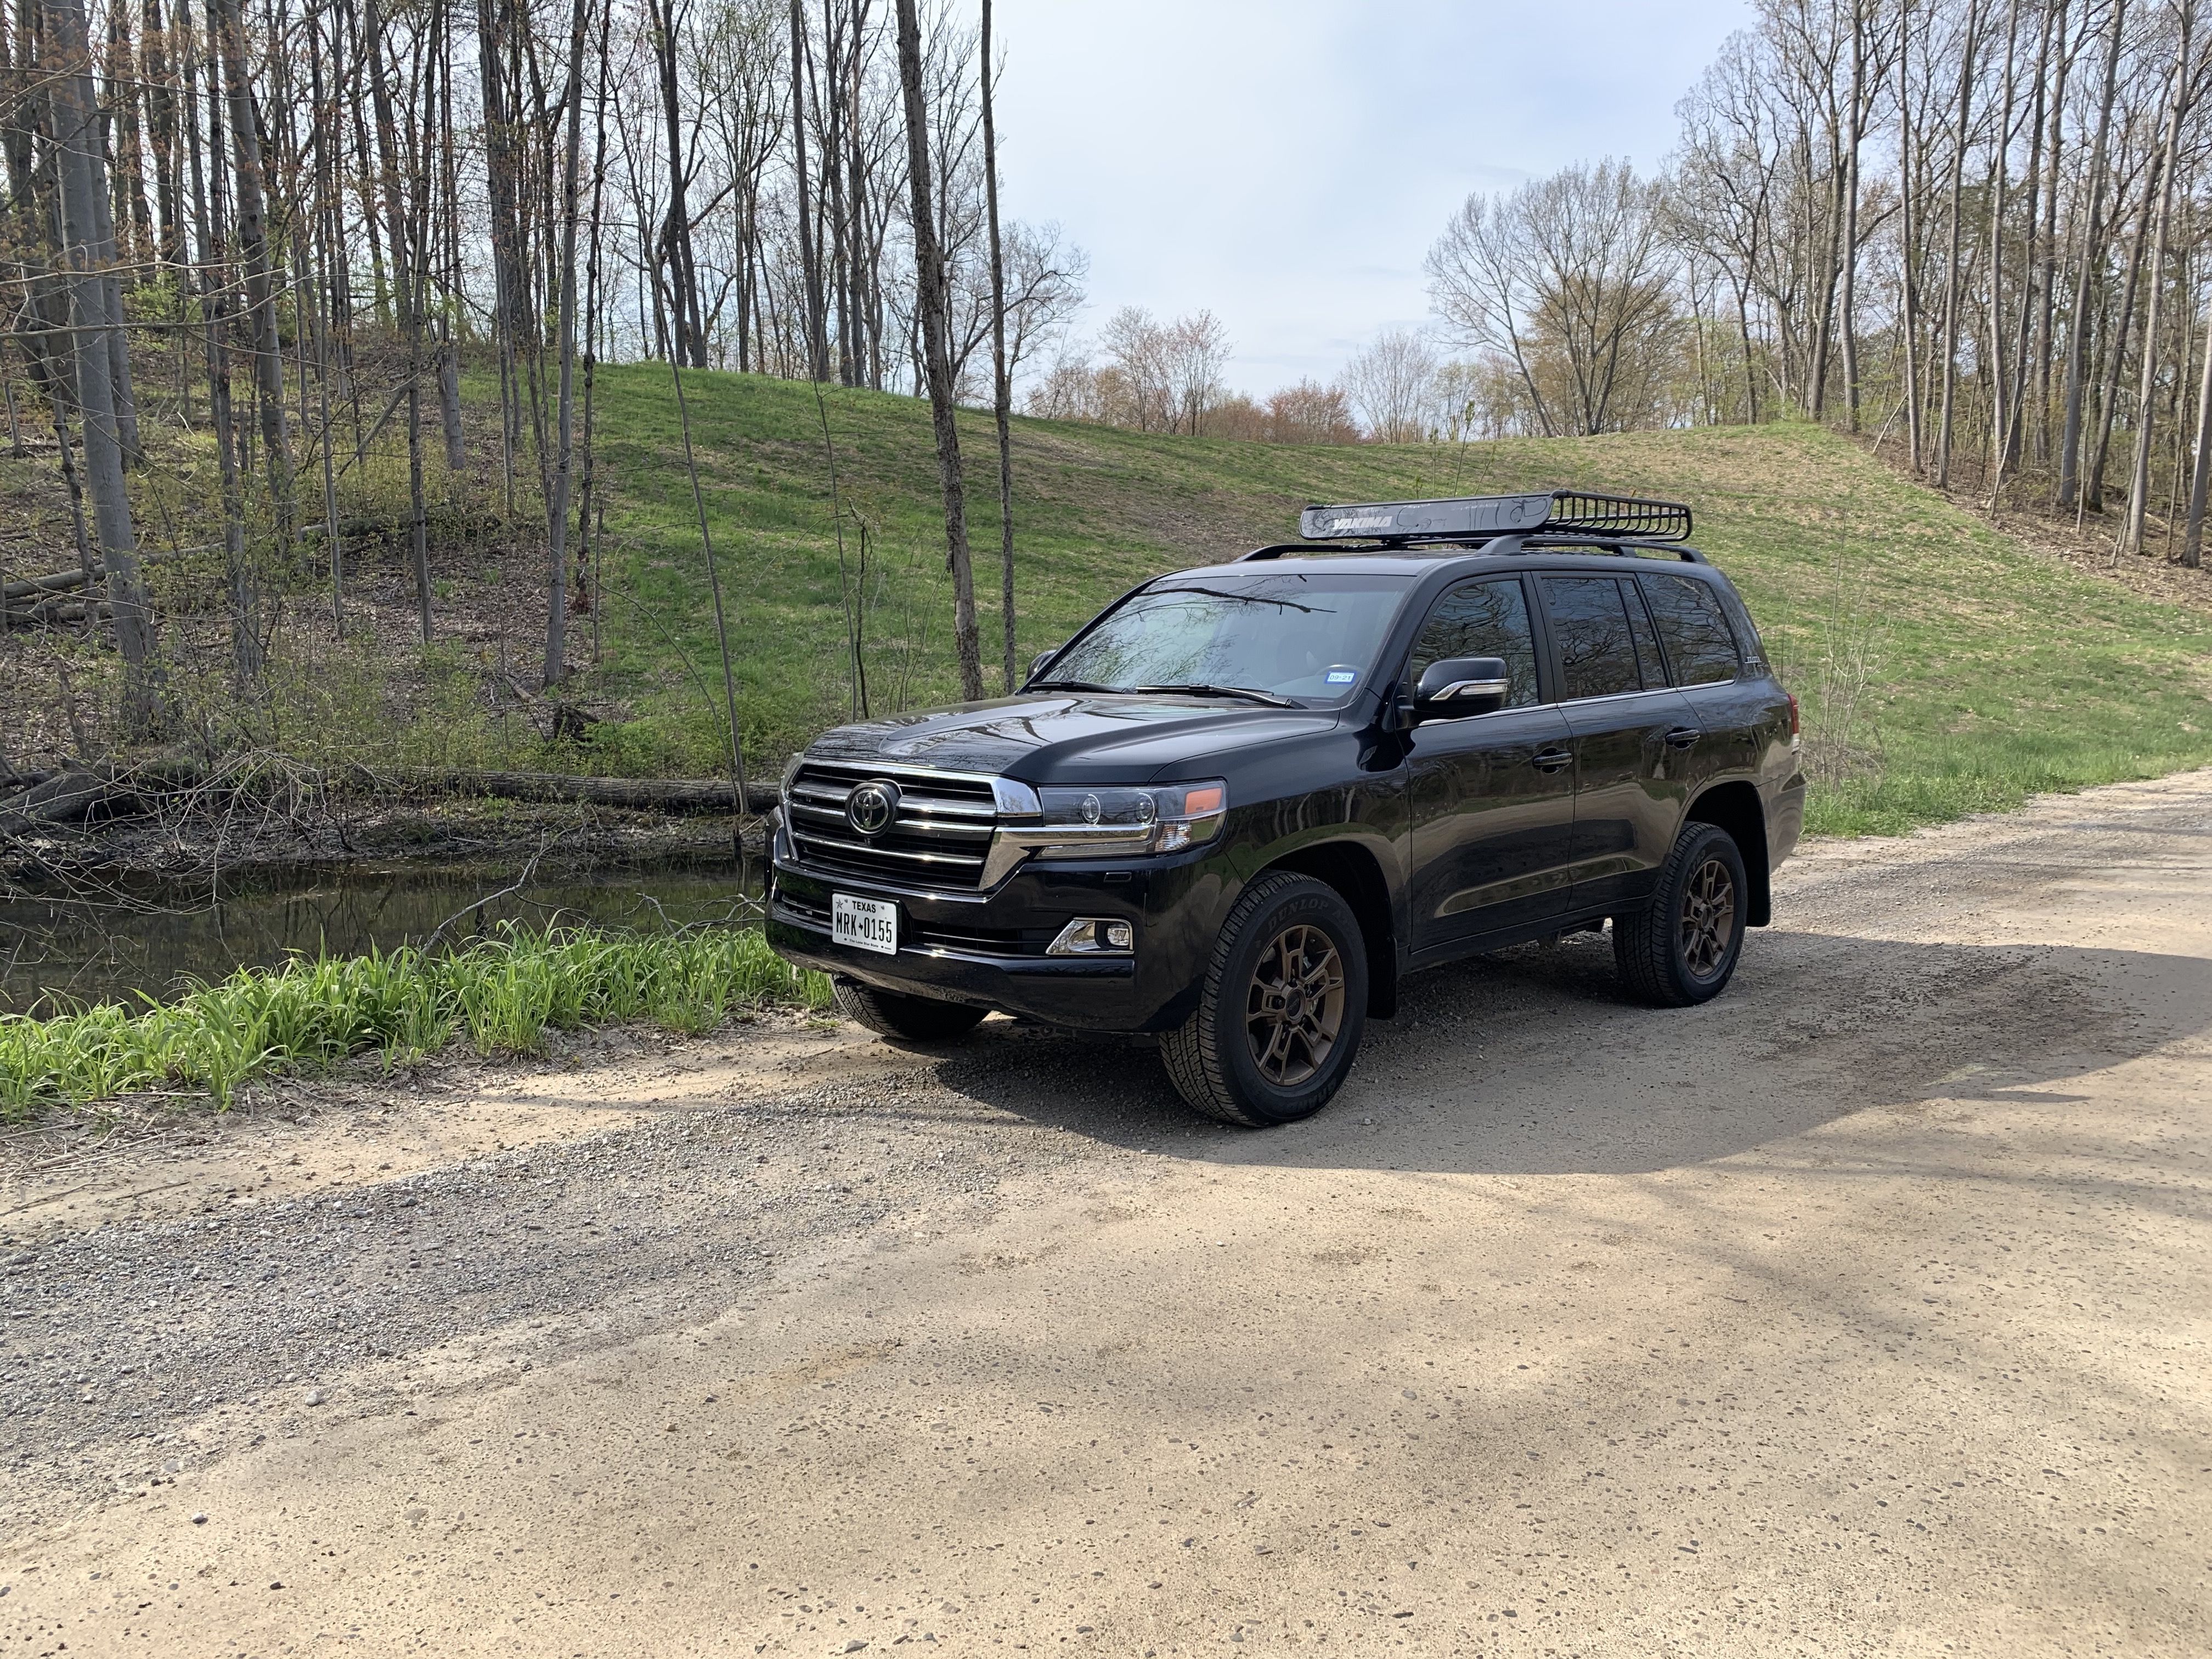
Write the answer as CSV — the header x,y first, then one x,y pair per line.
x,y
64,797
55,611
683,796
76,792
60,582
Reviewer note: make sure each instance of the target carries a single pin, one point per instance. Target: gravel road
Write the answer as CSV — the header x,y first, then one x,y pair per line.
x,y
1864,1311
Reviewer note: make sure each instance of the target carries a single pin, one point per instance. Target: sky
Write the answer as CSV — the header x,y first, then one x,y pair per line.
x,y
1286,163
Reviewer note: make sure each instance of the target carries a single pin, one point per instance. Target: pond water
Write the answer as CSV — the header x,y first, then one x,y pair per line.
x,y
108,938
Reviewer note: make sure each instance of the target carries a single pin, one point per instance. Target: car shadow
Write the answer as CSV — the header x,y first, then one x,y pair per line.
x,y
1533,1061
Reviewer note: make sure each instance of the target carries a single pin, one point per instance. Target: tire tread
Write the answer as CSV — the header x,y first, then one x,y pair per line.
x,y
1191,1051
1643,942
911,1018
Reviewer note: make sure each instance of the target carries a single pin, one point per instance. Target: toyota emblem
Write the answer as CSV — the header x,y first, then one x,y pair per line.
x,y
872,805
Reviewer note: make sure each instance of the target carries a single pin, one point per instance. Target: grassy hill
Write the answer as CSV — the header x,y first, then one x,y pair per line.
x,y
1945,670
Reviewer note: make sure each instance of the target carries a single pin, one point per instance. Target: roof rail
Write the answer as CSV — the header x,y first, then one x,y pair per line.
x,y
1478,517
1627,546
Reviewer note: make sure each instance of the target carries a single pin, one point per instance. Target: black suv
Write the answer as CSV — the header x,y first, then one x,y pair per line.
x,y
1246,799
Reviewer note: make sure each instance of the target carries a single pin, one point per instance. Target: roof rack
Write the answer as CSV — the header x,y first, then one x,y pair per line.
x,y
1478,518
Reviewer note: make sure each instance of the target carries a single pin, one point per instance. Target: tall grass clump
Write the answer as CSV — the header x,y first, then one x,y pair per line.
x,y
503,992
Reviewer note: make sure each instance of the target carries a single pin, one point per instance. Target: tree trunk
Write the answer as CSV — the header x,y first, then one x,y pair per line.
x,y
690,345
2200,471
161,123
449,351
1951,272
1853,138
253,251
1909,250
2093,254
1990,366
213,282
556,510
2116,350
1001,385
2007,439
2139,487
76,142
810,257
107,258
937,359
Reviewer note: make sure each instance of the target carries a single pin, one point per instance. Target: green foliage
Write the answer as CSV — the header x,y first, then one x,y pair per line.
x,y
504,994
1944,668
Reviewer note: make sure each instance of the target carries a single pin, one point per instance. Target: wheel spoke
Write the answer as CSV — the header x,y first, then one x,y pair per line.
x,y
1708,917
1294,1007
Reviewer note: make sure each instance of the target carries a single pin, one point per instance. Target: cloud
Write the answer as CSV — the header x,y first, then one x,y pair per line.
x,y
1287,164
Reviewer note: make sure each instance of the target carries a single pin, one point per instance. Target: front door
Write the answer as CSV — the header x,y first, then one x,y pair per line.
x,y
1492,795
1633,736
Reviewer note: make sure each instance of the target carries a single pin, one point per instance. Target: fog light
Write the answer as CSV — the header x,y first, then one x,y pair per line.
x,y
1094,936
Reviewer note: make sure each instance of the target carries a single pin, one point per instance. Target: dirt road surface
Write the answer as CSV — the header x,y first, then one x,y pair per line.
x,y
1863,1311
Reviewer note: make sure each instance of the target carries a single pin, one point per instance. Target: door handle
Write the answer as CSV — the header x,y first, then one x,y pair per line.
x,y
1551,760
1684,736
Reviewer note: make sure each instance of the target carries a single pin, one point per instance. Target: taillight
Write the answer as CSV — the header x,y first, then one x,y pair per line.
x,y
1792,695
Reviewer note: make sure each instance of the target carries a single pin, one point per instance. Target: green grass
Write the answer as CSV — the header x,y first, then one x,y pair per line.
x,y
502,994
1997,672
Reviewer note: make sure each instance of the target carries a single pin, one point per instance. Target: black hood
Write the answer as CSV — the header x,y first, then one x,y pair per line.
x,y
1073,737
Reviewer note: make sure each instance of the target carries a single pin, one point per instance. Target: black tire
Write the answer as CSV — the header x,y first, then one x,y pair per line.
x,y
917,1019
1284,925
1683,950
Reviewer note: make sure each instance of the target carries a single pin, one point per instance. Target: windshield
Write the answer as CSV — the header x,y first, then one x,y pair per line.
x,y
1291,633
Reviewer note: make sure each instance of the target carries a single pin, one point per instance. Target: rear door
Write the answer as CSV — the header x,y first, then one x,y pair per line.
x,y
1632,735
1705,661
1492,795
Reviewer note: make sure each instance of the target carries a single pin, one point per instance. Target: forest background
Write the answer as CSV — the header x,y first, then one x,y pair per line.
x,y
380,378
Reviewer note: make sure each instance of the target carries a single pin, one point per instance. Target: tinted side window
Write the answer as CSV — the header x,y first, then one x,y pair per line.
x,y
1482,619
1699,646
1649,662
1590,623
1746,636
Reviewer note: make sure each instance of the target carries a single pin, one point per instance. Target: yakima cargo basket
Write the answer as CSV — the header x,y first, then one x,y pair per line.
x,y
1476,518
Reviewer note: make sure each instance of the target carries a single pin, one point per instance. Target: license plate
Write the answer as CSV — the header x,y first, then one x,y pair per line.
x,y
864,924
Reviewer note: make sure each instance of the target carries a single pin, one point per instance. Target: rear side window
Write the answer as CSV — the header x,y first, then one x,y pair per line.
x,y
1700,648
1482,619
1590,623
1746,634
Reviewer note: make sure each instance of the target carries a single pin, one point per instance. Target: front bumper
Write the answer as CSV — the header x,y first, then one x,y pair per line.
x,y
987,948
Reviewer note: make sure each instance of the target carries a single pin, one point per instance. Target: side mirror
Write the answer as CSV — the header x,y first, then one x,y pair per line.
x,y
1459,686
1037,662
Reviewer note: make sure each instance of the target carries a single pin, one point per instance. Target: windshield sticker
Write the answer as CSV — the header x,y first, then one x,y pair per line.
x,y
1342,676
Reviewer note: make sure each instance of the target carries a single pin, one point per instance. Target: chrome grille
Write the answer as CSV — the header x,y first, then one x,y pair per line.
x,y
940,837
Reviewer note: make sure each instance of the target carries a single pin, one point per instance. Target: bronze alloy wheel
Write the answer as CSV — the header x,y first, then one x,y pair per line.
x,y
1294,1010
1708,918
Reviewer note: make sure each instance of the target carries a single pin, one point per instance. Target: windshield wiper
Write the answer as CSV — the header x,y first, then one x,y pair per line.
x,y
1193,690
1200,689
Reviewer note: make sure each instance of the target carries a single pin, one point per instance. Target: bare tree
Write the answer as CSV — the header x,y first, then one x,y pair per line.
x,y
1572,277
1391,381
2184,78
1002,390
929,306
556,509
76,141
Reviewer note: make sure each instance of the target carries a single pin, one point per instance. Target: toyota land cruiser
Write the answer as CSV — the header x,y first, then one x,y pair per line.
x,y
1246,800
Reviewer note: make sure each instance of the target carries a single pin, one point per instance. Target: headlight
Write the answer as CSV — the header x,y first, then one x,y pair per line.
x,y
1111,821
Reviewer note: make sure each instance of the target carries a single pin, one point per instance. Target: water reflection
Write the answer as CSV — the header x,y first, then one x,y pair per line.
x,y
85,941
